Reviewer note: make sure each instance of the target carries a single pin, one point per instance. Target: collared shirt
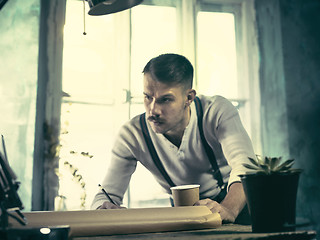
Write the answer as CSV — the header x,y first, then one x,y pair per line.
x,y
188,164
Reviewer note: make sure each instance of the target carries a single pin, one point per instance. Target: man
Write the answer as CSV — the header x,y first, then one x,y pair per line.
x,y
171,122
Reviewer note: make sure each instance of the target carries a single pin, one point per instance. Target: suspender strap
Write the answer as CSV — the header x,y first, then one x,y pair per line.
x,y
152,150
208,149
215,169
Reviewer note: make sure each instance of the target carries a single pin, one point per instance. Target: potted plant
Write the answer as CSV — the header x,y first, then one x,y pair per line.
x,y
270,186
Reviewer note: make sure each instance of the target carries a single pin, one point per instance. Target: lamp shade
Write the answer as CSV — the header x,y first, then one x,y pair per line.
x,y
2,3
102,7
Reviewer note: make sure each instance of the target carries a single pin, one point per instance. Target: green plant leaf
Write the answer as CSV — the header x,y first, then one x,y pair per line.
x,y
269,165
265,169
254,162
274,162
250,166
286,165
267,161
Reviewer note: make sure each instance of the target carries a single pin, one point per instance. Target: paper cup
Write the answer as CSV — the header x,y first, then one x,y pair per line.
x,y
185,195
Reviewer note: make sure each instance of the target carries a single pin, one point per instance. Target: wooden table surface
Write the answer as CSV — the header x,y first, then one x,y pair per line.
x,y
226,231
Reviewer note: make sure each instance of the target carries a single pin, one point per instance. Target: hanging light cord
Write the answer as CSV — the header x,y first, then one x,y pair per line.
x,y
84,18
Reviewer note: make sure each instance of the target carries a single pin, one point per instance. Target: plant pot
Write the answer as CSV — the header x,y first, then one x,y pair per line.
x,y
271,200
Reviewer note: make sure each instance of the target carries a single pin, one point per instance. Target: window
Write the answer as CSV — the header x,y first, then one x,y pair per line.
x,y
88,110
18,88
102,82
216,54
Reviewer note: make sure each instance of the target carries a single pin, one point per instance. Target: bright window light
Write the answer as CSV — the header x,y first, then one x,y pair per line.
x,y
216,54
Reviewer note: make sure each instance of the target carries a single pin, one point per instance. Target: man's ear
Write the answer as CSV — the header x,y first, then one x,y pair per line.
x,y
191,94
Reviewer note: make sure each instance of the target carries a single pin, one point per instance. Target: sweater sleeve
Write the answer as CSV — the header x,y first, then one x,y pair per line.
x,y
232,136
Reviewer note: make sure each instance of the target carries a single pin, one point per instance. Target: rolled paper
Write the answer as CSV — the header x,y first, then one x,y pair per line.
x,y
124,221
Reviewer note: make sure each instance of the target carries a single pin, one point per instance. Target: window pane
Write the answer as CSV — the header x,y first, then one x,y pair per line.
x,y
86,141
89,121
216,54
153,33
87,58
19,46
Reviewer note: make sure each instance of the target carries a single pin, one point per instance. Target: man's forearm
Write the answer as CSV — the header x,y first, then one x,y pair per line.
x,y
235,199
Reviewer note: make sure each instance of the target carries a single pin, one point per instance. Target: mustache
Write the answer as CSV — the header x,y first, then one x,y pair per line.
x,y
154,118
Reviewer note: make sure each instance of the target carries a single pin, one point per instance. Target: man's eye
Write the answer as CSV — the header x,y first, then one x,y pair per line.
x,y
147,97
165,100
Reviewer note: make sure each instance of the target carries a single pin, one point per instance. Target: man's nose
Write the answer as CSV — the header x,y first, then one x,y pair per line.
x,y
154,109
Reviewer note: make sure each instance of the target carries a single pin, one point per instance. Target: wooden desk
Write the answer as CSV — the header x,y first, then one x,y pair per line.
x,y
226,232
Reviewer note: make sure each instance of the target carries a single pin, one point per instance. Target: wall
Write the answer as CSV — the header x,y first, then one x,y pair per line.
x,y
274,127
301,54
289,40
18,84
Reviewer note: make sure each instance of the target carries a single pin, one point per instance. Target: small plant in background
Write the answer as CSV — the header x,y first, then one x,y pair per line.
x,y
72,169
269,165
78,178
70,163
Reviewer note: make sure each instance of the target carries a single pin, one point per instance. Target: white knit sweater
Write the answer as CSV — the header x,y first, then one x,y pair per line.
x,y
187,164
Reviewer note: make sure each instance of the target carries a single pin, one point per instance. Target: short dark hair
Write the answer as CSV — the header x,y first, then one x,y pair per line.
x,y
170,68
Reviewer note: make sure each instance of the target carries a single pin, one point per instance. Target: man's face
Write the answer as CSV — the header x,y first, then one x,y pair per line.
x,y
166,108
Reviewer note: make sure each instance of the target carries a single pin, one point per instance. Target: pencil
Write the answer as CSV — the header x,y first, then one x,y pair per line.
x,y
4,148
105,192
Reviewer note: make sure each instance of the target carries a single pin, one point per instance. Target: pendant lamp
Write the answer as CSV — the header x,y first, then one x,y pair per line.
x,y
102,7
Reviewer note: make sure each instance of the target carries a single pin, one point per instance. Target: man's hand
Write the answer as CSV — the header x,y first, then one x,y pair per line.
x,y
231,206
109,205
227,215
